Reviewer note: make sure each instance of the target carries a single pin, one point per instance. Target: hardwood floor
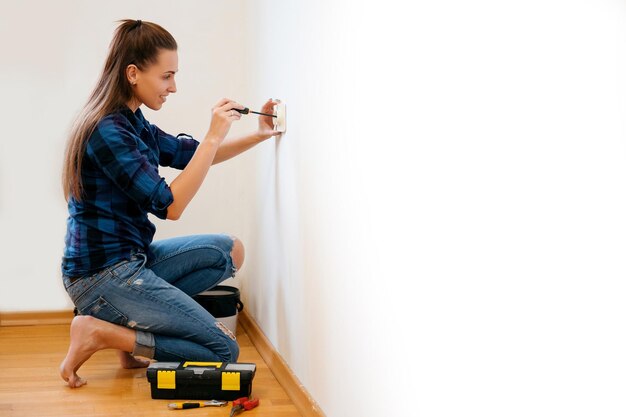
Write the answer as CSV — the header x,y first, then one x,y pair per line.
x,y
30,384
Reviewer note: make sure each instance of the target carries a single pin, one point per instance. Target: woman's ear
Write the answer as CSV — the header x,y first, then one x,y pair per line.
x,y
131,74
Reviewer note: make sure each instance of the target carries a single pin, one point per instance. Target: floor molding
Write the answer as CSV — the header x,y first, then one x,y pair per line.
x,y
303,401
35,318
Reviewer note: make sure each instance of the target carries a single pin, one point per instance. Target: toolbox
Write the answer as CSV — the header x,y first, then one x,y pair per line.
x,y
200,380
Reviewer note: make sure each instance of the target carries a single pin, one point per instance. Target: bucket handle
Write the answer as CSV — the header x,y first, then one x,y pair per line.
x,y
239,305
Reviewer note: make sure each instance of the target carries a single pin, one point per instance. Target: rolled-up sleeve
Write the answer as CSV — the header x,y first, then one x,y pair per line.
x,y
115,151
175,152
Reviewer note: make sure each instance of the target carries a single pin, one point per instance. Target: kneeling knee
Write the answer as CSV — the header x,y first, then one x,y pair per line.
x,y
234,352
237,253
230,353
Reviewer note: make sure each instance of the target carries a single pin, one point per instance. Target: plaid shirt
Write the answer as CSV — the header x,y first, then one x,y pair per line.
x,y
121,186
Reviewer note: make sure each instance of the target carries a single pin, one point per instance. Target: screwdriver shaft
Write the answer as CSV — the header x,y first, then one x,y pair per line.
x,y
263,114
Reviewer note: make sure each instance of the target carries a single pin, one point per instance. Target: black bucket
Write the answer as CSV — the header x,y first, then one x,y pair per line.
x,y
223,303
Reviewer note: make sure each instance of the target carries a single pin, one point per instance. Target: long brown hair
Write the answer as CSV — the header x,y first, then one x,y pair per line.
x,y
134,42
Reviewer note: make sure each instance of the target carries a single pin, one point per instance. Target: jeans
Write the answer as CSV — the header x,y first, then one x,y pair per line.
x,y
154,297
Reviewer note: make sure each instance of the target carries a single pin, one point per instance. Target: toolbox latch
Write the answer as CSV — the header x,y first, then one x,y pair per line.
x,y
166,379
231,381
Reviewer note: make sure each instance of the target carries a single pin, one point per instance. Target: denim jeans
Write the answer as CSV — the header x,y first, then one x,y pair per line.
x,y
153,297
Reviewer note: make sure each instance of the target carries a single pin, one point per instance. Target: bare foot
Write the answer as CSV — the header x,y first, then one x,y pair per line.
x,y
82,346
87,336
128,361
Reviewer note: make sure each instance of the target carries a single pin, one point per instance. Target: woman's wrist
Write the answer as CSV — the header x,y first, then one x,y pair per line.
x,y
211,139
261,137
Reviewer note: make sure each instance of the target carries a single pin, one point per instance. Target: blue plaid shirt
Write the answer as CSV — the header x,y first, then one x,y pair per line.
x,y
121,185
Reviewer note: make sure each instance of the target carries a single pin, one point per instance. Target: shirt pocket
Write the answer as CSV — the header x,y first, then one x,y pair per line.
x,y
104,310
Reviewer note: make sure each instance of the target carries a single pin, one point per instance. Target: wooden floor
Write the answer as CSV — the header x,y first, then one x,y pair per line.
x,y
30,384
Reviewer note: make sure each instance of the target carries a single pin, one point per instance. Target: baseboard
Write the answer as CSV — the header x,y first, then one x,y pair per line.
x,y
303,401
34,318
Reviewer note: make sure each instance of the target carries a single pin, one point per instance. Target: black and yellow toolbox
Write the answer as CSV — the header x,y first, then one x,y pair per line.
x,y
200,380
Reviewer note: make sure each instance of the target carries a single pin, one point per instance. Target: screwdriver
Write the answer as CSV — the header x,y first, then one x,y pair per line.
x,y
185,406
247,110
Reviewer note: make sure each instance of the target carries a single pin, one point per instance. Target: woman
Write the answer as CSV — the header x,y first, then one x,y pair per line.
x,y
134,294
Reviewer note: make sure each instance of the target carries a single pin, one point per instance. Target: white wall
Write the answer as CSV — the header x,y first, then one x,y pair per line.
x,y
443,222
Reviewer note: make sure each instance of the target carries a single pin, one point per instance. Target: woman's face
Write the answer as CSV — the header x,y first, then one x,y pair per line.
x,y
156,82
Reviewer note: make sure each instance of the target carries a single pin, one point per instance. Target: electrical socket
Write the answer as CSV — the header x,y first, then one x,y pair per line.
x,y
280,121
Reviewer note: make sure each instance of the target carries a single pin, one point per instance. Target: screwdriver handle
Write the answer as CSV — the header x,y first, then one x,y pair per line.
x,y
183,406
244,111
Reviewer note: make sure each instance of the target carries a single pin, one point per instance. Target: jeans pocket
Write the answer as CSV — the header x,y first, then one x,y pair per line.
x,y
82,286
131,268
104,310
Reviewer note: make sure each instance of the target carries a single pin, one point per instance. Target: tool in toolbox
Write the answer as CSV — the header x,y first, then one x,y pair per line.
x,y
243,404
187,405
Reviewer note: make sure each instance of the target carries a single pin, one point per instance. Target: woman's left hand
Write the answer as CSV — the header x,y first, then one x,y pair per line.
x,y
266,123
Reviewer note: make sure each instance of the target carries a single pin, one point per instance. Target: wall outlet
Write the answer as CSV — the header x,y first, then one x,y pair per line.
x,y
280,121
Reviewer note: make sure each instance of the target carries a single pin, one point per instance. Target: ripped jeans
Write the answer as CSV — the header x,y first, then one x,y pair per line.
x,y
153,297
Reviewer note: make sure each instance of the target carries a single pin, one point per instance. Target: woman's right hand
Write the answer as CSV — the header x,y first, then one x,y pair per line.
x,y
223,116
